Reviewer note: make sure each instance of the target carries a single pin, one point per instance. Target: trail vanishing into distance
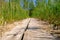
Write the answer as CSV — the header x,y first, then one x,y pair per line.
x,y
29,29
42,23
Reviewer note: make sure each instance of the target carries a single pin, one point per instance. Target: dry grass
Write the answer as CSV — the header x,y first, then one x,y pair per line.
x,y
8,27
5,28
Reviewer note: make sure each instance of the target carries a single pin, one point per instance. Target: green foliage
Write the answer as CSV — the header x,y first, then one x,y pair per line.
x,y
49,12
12,12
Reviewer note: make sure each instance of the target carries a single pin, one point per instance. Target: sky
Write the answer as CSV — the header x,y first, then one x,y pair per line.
x,y
34,2
21,3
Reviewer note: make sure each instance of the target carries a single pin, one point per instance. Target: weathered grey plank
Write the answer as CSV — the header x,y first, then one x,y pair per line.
x,y
35,32
17,32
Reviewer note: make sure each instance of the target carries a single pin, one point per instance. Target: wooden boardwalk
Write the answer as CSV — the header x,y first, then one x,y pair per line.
x,y
30,29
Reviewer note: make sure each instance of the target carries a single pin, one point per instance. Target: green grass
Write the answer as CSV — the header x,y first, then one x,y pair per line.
x,y
12,12
47,13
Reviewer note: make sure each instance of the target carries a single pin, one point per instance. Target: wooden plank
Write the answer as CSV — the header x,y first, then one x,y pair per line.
x,y
56,31
35,32
17,32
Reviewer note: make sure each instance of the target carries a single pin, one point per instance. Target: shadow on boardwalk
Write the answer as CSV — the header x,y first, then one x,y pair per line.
x,y
30,29
57,38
